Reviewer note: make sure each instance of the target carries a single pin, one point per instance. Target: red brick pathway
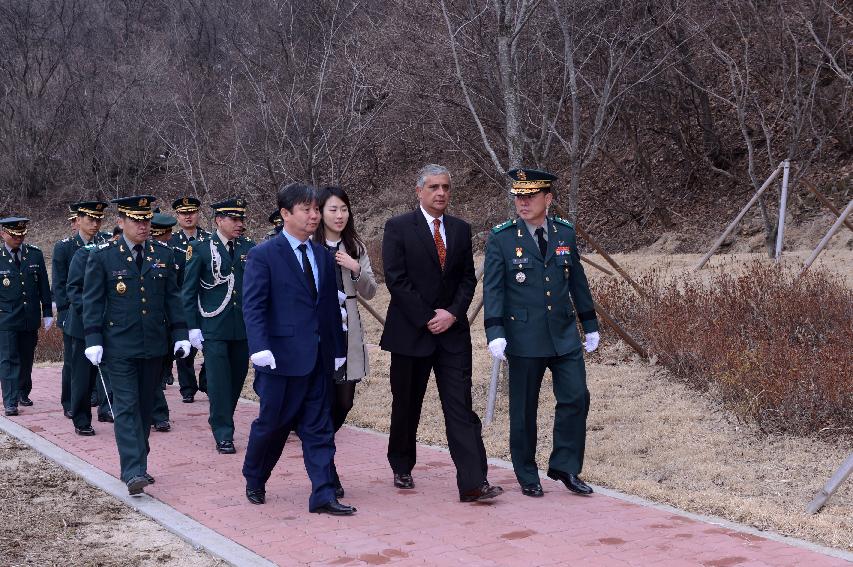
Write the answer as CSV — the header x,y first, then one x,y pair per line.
x,y
423,526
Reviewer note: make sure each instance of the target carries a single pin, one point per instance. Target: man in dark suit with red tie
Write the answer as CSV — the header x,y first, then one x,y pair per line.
x,y
429,271
294,328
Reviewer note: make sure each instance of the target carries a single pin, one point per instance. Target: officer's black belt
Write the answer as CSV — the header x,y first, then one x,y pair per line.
x,y
351,297
494,322
586,315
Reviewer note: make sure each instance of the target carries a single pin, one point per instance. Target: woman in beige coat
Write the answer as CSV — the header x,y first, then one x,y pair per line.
x,y
355,277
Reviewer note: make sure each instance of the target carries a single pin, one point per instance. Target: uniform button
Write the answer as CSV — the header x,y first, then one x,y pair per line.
x,y
549,308
546,264
512,317
25,303
235,303
24,292
144,312
547,279
143,300
548,293
111,323
141,288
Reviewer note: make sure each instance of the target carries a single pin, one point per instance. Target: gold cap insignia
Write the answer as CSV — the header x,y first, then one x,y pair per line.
x,y
521,175
186,201
143,202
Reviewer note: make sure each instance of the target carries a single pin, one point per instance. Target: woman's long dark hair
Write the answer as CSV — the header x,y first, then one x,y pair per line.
x,y
353,244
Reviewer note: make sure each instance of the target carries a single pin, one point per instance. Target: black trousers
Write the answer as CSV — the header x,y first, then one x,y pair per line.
x,y
17,349
409,378
85,379
65,391
186,375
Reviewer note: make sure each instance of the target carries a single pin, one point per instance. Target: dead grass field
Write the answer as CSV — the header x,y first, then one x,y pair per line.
x,y
52,517
650,436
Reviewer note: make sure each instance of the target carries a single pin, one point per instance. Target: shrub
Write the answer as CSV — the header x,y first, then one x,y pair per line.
x,y
774,348
49,348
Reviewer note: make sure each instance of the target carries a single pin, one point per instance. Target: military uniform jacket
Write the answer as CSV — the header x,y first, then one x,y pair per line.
x,y
527,298
199,292
25,292
74,291
125,309
63,251
180,240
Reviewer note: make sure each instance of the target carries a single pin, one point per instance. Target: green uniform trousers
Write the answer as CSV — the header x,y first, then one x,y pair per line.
x,y
227,364
65,391
525,380
84,379
160,411
135,382
186,375
17,349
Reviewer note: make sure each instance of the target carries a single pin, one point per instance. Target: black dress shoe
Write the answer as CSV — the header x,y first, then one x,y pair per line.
x,y
335,508
534,490
484,492
188,399
25,401
162,426
226,447
10,410
85,431
106,418
93,402
149,478
68,414
170,379
571,481
256,495
404,481
136,485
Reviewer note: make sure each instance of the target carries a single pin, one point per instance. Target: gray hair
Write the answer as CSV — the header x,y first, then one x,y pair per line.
x,y
429,170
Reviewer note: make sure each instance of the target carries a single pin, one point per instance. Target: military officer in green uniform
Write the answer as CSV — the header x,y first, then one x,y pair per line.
x,y
211,294
25,303
89,215
277,224
130,297
187,211
532,278
84,376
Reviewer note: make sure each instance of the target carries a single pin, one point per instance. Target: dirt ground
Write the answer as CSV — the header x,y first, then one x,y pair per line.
x,y
52,517
650,436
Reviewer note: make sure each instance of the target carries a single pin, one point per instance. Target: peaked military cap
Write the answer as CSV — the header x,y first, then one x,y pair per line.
x,y
233,207
16,226
530,181
137,207
72,211
275,218
94,209
186,204
162,224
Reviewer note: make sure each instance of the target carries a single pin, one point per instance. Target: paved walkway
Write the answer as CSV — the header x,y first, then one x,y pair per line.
x,y
425,526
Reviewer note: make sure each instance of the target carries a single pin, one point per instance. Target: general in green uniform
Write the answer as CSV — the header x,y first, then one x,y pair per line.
x,y
88,215
130,296
187,212
277,225
25,303
532,277
211,295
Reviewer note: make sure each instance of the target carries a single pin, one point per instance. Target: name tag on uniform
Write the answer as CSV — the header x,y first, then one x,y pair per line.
x,y
518,261
562,250
158,265
5,272
115,273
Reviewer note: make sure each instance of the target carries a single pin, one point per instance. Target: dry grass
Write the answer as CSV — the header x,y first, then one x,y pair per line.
x,y
654,437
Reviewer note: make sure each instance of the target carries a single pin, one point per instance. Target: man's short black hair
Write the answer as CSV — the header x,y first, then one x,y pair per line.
x,y
117,230
294,194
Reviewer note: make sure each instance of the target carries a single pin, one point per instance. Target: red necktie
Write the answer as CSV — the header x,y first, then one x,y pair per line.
x,y
439,243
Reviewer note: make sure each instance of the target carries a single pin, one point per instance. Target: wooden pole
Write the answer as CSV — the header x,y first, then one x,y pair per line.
x,y
371,310
831,485
477,307
583,234
826,202
605,316
838,222
598,266
783,206
737,220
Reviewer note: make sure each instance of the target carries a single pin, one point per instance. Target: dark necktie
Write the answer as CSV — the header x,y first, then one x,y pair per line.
x,y
309,272
231,249
137,253
16,257
540,238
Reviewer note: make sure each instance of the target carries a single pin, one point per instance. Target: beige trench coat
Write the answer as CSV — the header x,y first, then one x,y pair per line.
x,y
357,363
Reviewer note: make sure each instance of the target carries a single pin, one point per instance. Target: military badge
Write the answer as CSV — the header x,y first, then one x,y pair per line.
x,y
121,287
7,282
522,175
562,250
520,277
518,252
189,253
130,259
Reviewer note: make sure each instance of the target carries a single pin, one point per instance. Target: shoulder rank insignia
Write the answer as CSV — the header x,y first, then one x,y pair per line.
x,y
104,245
564,222
506,224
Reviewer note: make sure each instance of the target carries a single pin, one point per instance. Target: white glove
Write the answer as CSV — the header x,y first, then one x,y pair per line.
x,y
196,339
344,318
94,354
497,348
342,297
264,358
339,362
48,323
591,342
182,345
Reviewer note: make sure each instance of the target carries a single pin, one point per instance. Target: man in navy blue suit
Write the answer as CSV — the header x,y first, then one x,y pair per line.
x,y
293,324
